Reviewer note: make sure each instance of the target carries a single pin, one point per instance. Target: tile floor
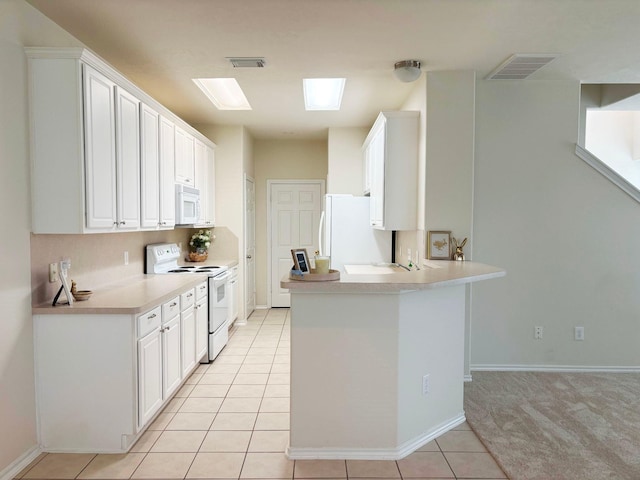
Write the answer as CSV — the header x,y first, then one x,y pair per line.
x,y
230,421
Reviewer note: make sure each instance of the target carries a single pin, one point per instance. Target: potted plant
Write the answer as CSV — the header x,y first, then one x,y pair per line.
x,y
199,245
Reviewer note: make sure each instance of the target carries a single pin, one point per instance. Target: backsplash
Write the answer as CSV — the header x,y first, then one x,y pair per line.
x,y
98,259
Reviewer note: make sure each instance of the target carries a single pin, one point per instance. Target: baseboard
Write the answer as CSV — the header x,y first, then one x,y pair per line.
x,y
20,463
262,307
554,368
397,453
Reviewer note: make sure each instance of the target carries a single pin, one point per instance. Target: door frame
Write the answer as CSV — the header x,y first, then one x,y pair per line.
x,y
243,309
270,183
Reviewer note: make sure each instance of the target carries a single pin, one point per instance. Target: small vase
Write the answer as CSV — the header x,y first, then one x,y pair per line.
x,y
199,255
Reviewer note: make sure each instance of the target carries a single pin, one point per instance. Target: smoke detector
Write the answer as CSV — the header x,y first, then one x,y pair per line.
x,y
521,66
247,62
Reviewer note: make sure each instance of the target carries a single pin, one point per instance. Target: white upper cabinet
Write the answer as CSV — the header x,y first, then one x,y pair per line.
x,y
167,173
100,143
104,155
149,167
205,182
391,152
127,160
157,138
185,158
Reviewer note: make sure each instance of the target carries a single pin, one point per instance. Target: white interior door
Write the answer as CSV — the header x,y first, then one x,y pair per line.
x,y
249,246
295,215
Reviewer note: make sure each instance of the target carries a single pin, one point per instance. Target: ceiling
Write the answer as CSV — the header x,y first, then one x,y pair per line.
x,y
162,44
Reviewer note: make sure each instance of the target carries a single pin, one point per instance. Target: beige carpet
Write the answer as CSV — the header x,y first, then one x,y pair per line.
x,y
558,426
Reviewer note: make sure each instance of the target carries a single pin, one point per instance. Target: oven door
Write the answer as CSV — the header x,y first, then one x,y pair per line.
x,y
218,301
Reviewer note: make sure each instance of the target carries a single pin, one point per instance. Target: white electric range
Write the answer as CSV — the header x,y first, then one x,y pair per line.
x,y
162,258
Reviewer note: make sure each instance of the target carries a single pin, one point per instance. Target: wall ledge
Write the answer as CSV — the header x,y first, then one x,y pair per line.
x,y
608,172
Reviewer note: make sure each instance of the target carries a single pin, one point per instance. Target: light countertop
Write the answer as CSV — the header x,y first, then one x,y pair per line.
x,y
434,274
132,295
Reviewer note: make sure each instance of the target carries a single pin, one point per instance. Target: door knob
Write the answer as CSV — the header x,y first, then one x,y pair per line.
x,y
249,256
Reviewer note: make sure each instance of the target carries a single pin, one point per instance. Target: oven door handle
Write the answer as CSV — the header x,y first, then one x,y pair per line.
x,y
220,279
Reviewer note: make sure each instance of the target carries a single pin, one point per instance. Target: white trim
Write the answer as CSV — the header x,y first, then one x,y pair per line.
x,y
20,463
468,378
554,368
246,178
608,172
397,453
270,183
261,307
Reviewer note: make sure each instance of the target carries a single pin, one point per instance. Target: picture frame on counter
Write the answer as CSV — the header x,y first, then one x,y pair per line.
x,y
300,260
439,245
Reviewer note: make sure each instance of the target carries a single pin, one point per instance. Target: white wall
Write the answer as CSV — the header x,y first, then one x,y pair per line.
x,y
280,160
613,137
20,25
345,160
565,235
233,157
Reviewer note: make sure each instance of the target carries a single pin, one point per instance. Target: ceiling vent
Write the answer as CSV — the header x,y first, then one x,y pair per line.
x,y
247,62
520,66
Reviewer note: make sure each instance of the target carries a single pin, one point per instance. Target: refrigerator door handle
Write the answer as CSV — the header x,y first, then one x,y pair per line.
x,y
320,231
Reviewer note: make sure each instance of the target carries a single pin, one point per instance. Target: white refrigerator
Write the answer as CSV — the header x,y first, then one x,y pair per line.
x,y
347,236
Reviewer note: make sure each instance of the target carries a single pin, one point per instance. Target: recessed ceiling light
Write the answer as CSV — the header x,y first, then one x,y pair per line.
x,y
224,93
323,93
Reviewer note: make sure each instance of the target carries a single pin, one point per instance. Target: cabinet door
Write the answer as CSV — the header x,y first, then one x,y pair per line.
x,y
185,166
211,206
167,173
149,167
233,299
202,327
149,376
377,147
100,148
188,340
128,159
171,371
202,180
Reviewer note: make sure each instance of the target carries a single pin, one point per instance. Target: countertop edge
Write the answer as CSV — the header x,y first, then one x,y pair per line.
x,y
447,274
133,295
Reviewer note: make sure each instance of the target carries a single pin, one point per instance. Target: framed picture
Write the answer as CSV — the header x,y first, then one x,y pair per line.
x,y
300,260
439,245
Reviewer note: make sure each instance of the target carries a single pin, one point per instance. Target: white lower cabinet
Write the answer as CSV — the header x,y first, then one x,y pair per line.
x,y
171,371
202,327
102,378
149,376
188,330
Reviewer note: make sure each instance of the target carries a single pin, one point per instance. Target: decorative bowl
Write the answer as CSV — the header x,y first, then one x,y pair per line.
x,y
81,295
198,256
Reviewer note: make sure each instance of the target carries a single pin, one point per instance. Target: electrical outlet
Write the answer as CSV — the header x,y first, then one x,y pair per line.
x,y
53,272
126,258
537,333
425,385
578,333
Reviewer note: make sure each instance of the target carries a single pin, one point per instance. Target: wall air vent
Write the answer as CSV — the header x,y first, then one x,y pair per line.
x,y
520,66
247,62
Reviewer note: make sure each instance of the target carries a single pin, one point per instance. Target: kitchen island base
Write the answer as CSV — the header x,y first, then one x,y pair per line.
x,y
374,375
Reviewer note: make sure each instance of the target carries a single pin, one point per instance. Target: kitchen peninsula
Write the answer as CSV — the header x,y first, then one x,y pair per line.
x,y
377,360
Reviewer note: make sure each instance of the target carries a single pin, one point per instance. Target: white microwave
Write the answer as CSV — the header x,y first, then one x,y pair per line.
x,y
187,205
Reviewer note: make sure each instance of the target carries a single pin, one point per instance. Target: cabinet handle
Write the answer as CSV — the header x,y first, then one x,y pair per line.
x,y
173,304
249,257
123,222
153,315
189,295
